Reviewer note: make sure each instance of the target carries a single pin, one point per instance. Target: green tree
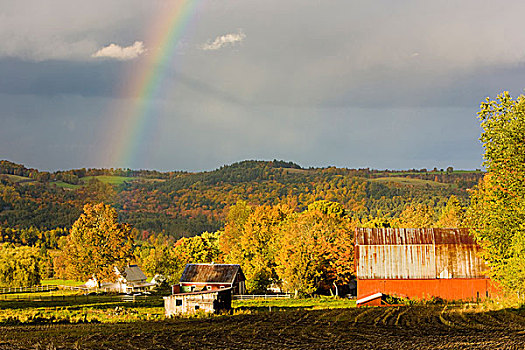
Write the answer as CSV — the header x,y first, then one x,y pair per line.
x,y
96,244
316,248
229,241
250,239
497,209
452,214
416,216
20,266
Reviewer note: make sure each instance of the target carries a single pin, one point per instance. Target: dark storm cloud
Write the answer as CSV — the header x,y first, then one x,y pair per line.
x,y
340,82
59,77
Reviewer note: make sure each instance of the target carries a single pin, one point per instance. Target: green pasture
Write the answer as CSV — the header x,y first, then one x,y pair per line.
x,y
112,180
58,282
66,185
406,181
319,303
16,178
430,172
65,306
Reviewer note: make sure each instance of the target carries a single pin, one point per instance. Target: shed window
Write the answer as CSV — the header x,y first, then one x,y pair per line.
x,y
178,302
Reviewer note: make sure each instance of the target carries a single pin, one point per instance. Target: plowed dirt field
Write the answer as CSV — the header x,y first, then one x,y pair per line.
x,y
406,327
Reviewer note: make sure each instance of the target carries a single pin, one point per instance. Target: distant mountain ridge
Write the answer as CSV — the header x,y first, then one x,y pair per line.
x,y
179,203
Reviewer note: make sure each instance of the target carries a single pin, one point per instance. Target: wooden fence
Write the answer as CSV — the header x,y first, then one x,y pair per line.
x,y
262,296
34,289
77,298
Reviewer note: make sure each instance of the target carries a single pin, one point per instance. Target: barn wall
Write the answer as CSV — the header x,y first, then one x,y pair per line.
x,y
396,261
186,287
417,254
190,304
448,289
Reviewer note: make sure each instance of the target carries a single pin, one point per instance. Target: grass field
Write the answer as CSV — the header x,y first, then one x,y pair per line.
x,y
401,173
285,304
66,185
408,181
48,282
112,180
406,327
19,179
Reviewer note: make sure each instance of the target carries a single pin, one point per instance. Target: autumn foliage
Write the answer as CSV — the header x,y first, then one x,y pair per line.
x,y
96,244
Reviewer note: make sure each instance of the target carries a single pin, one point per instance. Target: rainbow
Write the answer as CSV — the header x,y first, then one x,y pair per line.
x,y
133,120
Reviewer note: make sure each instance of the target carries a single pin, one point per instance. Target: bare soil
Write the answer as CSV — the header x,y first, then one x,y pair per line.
x,y
404,327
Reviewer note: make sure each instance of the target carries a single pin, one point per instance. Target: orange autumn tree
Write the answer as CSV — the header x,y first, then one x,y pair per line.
x,y
97,243
316,248
250,239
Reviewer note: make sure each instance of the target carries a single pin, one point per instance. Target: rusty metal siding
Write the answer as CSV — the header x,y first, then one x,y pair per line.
x,y
396,261
385,253
459,261
454,236
387,236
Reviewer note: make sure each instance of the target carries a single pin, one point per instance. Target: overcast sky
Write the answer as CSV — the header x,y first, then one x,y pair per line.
x,y
378,84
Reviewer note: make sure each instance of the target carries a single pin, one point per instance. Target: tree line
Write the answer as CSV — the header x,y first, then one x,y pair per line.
x,y
290,225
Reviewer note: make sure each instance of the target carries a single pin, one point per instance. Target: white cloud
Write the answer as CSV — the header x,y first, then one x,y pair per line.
x,y
121,53
224,40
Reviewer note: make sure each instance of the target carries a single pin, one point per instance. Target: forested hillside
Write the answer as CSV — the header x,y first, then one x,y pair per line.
x,y
179,204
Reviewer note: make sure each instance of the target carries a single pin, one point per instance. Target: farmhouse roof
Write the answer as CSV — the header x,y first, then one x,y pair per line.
x,y
211,273
132,273
388,253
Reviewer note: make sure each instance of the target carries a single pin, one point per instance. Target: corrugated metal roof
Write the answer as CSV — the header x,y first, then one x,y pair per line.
x,y
417,253
211,273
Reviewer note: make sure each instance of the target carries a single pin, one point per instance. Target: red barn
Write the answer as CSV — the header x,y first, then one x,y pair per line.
x,y
420,263
211,277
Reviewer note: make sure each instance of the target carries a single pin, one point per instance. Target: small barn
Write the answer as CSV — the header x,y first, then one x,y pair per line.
x,y
212,277
205,301
420,263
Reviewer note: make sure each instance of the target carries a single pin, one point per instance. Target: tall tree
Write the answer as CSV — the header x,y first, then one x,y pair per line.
x,y
452,214
316,248
497,210
249,239
97,243
229,241
416,216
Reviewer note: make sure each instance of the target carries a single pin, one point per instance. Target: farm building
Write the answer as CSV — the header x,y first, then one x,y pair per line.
x,y
130,279
205,301
211,277
420,263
